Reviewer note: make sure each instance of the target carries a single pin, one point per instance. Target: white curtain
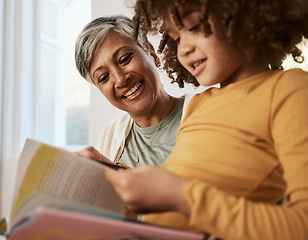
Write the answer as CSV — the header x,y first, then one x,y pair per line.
x,y
18,62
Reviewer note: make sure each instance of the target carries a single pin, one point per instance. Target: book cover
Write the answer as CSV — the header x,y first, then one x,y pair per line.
x,y
54,224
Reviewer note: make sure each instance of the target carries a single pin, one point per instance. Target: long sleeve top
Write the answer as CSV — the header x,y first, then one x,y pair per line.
x,y
245,148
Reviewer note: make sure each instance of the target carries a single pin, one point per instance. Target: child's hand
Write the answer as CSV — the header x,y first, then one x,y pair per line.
x,y
149,189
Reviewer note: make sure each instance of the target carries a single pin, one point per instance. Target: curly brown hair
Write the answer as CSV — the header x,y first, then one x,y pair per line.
x,y
263,30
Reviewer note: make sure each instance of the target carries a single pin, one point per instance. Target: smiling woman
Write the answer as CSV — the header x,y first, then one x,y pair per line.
x,y
42,94
127,75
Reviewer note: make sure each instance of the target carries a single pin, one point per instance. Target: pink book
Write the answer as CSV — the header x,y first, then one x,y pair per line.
x,y
56,224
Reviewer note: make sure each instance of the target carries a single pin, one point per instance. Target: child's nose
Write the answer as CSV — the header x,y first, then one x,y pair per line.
x,y
185,47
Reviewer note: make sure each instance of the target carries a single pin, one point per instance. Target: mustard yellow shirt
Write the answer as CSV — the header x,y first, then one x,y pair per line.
x,y
245,148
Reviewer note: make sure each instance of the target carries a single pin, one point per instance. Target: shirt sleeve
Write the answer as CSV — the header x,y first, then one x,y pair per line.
x,y
231,217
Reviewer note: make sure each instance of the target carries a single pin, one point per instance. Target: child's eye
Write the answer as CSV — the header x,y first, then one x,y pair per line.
x,y
103,78
177,40
195,28
125,59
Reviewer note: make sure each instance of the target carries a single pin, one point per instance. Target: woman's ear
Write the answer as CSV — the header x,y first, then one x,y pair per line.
x,y
154,55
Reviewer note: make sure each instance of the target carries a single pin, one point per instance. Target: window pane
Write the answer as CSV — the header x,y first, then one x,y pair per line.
x,y
78,89
46,93
63,96
49,12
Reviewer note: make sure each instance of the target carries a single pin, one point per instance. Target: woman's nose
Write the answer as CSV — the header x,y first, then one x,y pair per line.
x,y
121,77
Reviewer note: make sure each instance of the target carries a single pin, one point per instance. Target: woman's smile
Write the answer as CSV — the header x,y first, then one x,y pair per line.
x,y
134,91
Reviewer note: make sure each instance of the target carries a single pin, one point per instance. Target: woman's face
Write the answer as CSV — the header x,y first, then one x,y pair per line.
x,y
126,75
210,59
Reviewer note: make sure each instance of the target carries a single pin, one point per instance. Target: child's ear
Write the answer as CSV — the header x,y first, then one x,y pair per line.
x,y
154,55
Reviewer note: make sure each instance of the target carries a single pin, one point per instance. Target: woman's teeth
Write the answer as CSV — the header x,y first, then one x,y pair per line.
x,y
132,90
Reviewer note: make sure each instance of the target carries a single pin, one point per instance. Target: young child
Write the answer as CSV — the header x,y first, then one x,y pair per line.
x,y
241,149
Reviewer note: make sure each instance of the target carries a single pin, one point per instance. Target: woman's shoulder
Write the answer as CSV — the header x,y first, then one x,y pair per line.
x,y
114,133
121,122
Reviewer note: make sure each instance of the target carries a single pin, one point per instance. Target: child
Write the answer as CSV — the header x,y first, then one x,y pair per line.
x,y
243,148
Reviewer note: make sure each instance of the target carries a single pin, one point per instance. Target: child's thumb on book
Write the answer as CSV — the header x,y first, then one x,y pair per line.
x,y
112,175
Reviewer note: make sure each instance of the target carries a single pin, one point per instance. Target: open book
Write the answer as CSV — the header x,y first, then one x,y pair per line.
x,y
60,195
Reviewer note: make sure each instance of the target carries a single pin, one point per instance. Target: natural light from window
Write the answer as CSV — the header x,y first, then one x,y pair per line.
x,y
77,89
290,63
63,106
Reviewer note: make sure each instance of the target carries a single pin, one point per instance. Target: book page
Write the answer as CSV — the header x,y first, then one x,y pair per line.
x,y
63,174
26,156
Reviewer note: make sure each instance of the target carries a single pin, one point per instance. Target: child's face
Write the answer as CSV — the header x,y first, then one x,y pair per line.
x,y
210,59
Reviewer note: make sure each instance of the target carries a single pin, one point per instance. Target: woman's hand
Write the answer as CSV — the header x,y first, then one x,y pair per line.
x,y
91,153
149,189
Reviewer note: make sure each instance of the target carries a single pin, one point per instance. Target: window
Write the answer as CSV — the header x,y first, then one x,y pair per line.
x,y
41,91
63,96
44,97
77,89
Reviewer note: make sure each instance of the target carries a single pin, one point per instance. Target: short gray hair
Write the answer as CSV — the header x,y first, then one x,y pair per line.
x,y
93,34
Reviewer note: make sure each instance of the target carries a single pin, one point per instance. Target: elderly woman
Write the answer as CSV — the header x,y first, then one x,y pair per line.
x,y
127,74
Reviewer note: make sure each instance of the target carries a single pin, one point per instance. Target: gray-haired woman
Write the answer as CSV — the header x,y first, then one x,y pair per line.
x,y
126,72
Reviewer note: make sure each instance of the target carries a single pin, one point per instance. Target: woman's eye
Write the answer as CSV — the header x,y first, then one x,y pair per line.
x,y
125,59
177,40
103,78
